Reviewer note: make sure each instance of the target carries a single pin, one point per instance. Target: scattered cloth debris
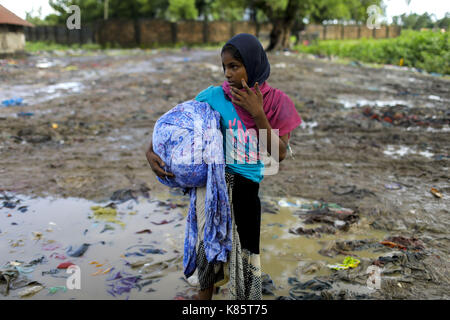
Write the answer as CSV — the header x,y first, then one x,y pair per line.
x,y
54,290
436,193
65,265
79,251
404,243
144,231
349,262
30,291
400,116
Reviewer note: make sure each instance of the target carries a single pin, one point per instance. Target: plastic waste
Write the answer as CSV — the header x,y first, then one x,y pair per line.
x,y
50,272
12,102
106,214
391,244
37,235
349,262
25,269
30,291
152,251
286,204
51,246
71,68
54,290
144,231
436,193
130,254
392,186
122,284
107,227
101,271
58,256
162,222
78,252
25,114
65,265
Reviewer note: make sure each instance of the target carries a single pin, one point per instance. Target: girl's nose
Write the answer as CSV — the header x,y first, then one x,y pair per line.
x,y
227,74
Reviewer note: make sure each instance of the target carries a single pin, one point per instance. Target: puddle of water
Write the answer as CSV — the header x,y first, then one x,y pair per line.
x,y
66,222
48,63
136,67
37,93
308,126
282,252
445,128
352,103
400,151
70,86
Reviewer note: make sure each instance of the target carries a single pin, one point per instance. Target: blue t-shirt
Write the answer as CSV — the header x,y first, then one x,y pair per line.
x,y
240,146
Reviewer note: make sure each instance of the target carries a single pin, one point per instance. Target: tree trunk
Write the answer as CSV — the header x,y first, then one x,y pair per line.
x,y
282,25
280,36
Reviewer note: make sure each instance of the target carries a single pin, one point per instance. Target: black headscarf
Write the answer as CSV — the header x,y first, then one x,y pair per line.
x,y
255,58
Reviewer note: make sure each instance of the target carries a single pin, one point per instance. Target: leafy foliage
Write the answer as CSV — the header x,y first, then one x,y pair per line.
x,y
425,50
416,22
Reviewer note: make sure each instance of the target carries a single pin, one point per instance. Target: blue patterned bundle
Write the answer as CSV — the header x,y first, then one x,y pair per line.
x,y
189,141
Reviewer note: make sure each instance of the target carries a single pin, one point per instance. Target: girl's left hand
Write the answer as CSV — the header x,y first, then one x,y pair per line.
x,y
249,100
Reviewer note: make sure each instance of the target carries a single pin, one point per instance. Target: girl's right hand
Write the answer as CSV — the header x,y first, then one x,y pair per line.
x,y
156,163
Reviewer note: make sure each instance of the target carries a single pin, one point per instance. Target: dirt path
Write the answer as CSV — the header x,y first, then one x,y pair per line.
x,y
93,116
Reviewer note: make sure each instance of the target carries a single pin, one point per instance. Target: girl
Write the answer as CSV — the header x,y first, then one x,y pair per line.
x,y
246,104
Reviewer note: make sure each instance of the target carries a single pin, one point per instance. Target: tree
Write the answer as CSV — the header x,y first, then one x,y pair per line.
x,y
284,14
93,10
35,17
228,10
444,23
414,21
182,9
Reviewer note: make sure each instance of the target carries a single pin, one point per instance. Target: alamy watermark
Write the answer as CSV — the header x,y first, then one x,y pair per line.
x,y
74,20
74,281
375,13
374,280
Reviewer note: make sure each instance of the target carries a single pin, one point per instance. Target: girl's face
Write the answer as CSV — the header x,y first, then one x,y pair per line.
x,y
234,70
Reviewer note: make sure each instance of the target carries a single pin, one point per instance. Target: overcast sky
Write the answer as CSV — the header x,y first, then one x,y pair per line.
x,y
394,7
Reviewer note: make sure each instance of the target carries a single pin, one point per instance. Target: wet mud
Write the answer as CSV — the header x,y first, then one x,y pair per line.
x,y
373,144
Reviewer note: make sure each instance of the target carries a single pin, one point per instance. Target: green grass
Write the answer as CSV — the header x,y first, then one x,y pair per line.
x,y
425,50
51,46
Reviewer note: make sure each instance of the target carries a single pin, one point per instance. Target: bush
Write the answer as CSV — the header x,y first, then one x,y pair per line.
x,y
427,50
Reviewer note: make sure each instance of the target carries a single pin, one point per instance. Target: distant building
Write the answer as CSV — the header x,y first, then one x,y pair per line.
x,y
12,36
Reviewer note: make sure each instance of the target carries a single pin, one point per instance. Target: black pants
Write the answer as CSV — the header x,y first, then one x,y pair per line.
x,y
247,212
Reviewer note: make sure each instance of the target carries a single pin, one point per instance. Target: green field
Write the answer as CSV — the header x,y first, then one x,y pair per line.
x,y
52,46
426,50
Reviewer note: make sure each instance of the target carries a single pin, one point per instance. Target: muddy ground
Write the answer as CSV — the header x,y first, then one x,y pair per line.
x,y
374,140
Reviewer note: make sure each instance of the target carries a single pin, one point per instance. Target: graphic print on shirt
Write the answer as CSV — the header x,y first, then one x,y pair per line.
x,y
241,145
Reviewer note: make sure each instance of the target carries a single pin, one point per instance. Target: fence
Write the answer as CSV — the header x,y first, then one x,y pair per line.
x,y
60,34
145,32
337,32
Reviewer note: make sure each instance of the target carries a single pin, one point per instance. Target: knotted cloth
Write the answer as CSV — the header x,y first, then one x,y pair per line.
x,y
189,141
